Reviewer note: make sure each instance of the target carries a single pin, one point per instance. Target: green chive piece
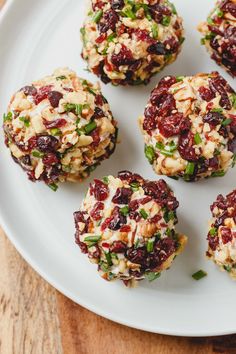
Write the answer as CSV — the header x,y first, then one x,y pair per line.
x,y
143,213
104,267
182,39
218,110
91,91
106,180
150,245
62,77
179,78
125,210
135,186
136,243
210,36
213,231
233,100
166,153
155,30
190,168
129,13
108,258
90,127
197,138
166,21
55,131
111,37
203,41
149,153
219,13
7,116
97,17
157,236
160,146
53,187
199,275
95,238
210,21
226,122
38,154
150,276
218,173
76,108
25,120
228,268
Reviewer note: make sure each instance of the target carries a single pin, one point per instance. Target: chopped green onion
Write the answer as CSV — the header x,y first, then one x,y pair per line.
x,y
62,77
53,187
143,213
25,120
226,122
125,210
219,13
150,245
199,275
173,8
152,275
90,127
77,108
111,37
228,268
7,116
213,231
210,21
218,173
97,17
95,238
114,256
190,168
149,153
38,154
108,258
136,243
105,180
55,131
182,39
210,36
104,267
218,110
129,13
157,236
155,30
179,78
134,186
166,21
203,41
91,91
233,100
197,138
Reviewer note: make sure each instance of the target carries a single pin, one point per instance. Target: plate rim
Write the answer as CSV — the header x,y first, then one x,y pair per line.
x,y
91,307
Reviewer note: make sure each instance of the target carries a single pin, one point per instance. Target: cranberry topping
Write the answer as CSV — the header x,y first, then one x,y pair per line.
x,y
125,228
54,98
213,118
186,149
115,221
98,113
117,4
167,82
122,196
130,177
29,90
50,159
218,84
232,145
206,94
226,235
96,211
42,94
46,143
56,123
213,242
150,118
157,48
99,190
108,21
173,125
124,57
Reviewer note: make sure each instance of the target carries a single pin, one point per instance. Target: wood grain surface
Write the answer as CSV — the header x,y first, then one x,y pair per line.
x,y
37,319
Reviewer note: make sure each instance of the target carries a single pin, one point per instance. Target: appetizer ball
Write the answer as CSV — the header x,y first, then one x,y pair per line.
x,y
220,35
189,127
222,233
59,128
126,225
126,42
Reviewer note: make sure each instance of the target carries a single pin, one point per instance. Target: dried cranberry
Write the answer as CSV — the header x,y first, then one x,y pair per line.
x,y
96,211
98,113
54,98
218,84
157,48
232,145
164,249
229,7
214,43
142,35
99,190
171,45
220,220
50,159
96,137
125,228
213,118
130,177
213,242
42,94
167,106
134,205
186,149
46,143
124,57
137,255
79,216
167,82
118,247
29,90
226,234
158,11
116,220
56,123
206,94
99,100
117,4
108,21
173,125
122,196
150,121
26,160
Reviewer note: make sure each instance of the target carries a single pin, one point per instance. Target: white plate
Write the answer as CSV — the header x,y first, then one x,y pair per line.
x,y
36,37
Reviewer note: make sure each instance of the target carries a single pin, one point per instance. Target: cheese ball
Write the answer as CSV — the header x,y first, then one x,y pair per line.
x,y
126,225
126,42
222,233
189,127
59,128
220,35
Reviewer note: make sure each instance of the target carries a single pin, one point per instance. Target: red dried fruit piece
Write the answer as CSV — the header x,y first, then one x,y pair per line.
x,y
50,159
213,242
142,35
96,211
230,7
206,94
218,84
137,255
226,235
46,143
232,145
124,57
171,45
122,196
29,90
117,4
54,98
150,118
185,147
108,21
167,82
130,177
173,125
42,94
213,118
96,137
125,228
157,48
56,123
99,190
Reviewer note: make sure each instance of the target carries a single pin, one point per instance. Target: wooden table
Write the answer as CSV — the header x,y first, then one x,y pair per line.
x,y
37,319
